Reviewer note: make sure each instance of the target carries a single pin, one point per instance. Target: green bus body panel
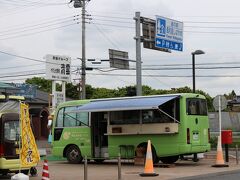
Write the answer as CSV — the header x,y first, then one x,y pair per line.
x,y
164,144
79,136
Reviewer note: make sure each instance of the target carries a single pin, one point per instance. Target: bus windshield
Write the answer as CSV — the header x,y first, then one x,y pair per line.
x,y
11,130
71,119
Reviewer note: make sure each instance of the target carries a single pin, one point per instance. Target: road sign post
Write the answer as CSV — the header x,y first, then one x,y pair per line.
x,y
219,104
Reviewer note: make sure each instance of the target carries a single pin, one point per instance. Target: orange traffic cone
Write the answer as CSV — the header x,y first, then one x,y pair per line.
x,y
219,160
148,170
45,173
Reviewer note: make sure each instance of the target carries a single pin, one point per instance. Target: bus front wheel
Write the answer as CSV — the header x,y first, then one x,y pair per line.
x,y
74,155
169,159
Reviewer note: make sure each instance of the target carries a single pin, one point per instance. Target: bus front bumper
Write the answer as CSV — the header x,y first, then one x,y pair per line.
x,y
194,148
13,164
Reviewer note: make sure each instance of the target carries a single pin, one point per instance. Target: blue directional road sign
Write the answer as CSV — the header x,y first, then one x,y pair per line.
x,y
169,34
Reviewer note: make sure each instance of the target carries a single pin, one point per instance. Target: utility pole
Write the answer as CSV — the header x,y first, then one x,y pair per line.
x,y
83,52
138,54
82,4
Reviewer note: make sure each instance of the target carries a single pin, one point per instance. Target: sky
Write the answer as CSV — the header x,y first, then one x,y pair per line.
x,y
33,28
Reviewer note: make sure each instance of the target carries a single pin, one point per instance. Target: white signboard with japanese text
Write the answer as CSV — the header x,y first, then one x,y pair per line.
x,y
58,98
169,34
58,68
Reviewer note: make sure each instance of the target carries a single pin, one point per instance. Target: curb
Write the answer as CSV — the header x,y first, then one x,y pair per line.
x,y
205,176
53,158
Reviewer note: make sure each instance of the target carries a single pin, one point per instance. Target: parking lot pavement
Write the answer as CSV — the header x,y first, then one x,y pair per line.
x,y
61,170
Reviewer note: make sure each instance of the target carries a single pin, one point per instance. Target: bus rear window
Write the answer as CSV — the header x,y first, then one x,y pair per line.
x,y
11,130
196,106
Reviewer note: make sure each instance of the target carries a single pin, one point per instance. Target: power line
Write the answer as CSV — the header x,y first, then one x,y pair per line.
x,y
24,57
212,27
199,64
170,76
11,73
106,37
23,9
113,17
29,74
18,79
14,67
186,31
212,22
36,28
38,24
30,3
214,32
37,32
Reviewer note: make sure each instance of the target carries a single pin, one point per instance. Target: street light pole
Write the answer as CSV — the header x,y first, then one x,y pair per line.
x,y
197,52
193,72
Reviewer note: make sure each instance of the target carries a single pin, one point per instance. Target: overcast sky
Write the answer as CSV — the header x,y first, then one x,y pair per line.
x,y
33,28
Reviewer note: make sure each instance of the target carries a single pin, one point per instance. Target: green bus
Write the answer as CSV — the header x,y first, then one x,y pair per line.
x,y
176,124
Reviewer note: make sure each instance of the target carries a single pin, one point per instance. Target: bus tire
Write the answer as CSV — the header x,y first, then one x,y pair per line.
x,y
73,155
33,171
26,172
4,172
99,160
195,157
169,159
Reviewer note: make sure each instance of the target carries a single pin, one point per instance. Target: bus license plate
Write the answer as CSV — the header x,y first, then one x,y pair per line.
x,y
17,151
195,136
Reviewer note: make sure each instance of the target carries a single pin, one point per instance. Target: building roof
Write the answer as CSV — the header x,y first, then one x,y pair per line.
x,y
41,98
7,88
235,101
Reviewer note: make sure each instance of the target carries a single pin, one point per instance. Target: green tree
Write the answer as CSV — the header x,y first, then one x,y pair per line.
x,y
41,83
72,91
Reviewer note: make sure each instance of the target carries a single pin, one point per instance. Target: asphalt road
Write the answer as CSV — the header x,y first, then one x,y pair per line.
x,y
61,170
231,175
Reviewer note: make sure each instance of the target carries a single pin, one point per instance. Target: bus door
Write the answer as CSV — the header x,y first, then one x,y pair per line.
x,y
99,134
197,120
10,134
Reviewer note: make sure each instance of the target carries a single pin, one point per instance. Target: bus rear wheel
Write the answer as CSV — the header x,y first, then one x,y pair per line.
x,y
74,155
99,160
155,158
169,159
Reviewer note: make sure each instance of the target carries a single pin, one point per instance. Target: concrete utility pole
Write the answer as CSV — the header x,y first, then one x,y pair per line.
x,y
82,4
138,54
83,52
